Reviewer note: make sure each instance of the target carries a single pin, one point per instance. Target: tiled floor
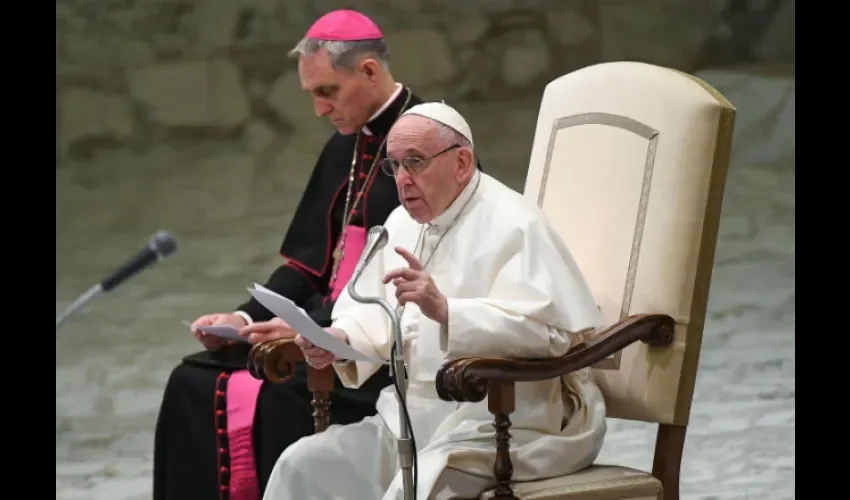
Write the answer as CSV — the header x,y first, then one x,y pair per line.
x,y
114,357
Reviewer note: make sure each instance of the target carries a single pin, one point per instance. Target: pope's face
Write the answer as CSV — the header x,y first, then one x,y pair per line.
x,y
343,96
427,193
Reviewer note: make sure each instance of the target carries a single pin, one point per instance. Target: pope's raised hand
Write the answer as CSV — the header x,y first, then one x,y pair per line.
x,y
414,284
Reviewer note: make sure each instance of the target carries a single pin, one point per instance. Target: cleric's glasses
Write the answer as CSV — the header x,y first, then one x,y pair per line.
x,y
414,165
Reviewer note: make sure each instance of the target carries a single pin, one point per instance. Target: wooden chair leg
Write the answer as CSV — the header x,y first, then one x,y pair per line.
x,y
500,401
321,383
667,464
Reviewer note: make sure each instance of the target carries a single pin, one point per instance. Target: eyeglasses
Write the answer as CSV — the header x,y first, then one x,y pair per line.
x,y
414,165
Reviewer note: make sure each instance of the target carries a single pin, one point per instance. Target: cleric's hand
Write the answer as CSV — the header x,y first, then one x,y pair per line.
x,y
273,329
413,284
211,342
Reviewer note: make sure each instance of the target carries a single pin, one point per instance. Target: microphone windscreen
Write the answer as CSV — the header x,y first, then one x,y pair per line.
x,y
377,237
163,243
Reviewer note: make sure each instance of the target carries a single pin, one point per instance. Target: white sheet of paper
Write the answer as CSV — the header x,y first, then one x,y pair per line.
x,y
226,332
286,310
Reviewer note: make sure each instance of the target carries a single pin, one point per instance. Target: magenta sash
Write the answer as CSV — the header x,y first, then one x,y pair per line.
x,y
355,241
242,393
243,390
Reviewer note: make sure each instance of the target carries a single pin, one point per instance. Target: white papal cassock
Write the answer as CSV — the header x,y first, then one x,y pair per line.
x,y
513,290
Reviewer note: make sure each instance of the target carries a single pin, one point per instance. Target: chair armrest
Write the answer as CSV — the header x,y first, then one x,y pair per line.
x,y
467,379
274,360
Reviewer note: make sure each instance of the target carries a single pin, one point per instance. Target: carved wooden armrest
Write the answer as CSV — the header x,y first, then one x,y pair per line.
x,y
275,361
466,379
472,379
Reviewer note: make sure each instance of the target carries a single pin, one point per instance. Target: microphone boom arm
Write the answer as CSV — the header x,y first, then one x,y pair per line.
x,y
398,372
160,246
78,303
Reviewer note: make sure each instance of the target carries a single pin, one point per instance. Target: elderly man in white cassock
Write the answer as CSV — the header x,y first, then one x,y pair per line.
x,y
473,269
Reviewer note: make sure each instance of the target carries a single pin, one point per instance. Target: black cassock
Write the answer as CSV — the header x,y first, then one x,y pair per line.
x,y
197,456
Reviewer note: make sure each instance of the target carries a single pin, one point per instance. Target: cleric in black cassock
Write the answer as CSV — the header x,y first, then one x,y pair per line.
x,y
219,430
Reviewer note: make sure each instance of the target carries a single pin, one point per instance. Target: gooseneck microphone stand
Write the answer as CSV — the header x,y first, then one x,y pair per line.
x,y
376,239
161,245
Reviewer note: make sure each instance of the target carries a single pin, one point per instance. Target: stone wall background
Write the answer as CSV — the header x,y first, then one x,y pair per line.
x,y
141,75
187,116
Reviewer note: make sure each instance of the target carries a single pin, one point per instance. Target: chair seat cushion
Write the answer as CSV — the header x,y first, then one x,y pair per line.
x,y
597,482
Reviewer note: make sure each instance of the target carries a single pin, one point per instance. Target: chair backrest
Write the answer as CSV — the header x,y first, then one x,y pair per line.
x,y
629,164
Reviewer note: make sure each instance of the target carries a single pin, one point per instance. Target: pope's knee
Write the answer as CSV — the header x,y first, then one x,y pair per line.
x,y
287,476
297,452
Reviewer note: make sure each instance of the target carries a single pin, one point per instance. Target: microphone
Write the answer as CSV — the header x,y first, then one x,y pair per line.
x,y
160,246
376,239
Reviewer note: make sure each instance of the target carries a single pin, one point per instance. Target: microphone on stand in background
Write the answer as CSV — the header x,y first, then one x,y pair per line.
x,y
161,245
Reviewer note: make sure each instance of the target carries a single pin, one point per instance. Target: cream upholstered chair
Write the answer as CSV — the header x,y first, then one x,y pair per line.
x,y
629,164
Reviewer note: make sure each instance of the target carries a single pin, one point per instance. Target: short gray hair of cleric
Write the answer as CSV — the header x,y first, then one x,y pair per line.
x,y
344,55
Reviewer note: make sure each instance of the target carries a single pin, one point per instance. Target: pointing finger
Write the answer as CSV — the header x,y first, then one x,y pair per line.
x,y
412,261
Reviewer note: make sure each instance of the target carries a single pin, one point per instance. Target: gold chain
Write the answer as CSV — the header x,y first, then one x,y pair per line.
x,y
351,208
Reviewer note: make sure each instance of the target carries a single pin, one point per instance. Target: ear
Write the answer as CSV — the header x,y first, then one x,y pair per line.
x,y
370,68
465,164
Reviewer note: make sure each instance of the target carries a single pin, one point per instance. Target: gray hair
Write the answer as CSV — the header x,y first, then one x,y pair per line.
x,y
344,55
452,136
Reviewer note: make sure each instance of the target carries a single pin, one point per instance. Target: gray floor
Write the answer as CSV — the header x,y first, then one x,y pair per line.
x,y
114,357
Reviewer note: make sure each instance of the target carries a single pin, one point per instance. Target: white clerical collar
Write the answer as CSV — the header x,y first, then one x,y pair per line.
x,y
398,89
453,211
